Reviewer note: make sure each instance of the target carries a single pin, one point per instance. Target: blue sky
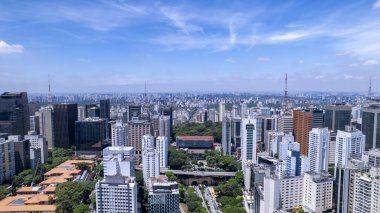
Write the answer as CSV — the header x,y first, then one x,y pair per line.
x,y
175,46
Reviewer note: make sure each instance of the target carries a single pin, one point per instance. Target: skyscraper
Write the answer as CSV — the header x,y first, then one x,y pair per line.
x,y
226,135
119,134
46,125
371,126
285,123
150,159
162,146
163,195
248,139
105,109
39,142
169,112
349,145
7,160
134,111
117,192
136,131
337,116
90,135
319,139
64,118
14,113
164,126
222,109
22,152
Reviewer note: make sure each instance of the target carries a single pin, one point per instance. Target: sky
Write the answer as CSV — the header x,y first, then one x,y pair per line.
x,y
186,46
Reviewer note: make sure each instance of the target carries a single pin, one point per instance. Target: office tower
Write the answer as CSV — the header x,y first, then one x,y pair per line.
x,y
317,192
34,123
372,157
33,107
7,160
236,128
289,153
81,113
274,138
93,112
226,135
332,146
14,113
117,192
366,196
46,125
337,116
22,152
64,118
119,134
87,109
164,126
243,110
248,139
90,135
302,124
222,109
150,159
163,195
105,109
136,131
349,145
162,146
371,126
319,139
285,123
134,111
155,125
212,115
169,112
118,156
343,188
38,142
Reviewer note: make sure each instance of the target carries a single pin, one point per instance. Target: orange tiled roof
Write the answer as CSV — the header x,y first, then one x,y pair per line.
x,y
24,203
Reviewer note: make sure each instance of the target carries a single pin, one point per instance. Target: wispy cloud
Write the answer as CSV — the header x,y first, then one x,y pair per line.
x,y
376,5
179,20
6,48
370,62
262,59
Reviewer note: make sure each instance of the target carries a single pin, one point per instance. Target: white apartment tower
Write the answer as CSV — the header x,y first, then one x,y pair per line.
x,y
248,139
119,134
349,145
46,125
317,192
164,126
319,149
150,159
162,146
38,142
117,192
222,109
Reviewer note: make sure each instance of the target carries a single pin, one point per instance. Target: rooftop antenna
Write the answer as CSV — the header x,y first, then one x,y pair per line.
x,y
145,94
286,103
369,95
49,94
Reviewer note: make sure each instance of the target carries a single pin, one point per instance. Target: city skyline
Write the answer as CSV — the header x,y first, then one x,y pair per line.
x,y
194,46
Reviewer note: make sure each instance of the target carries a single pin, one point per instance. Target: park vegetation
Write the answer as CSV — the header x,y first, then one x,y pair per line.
x,y
199,129
230,194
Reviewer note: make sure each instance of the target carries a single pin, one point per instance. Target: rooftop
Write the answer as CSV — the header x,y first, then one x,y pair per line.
x,y
189,138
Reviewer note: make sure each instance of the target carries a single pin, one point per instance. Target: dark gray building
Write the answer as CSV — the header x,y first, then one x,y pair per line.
x,y
64,118
134,112
105,109
14,113
90,135
337,116
371,126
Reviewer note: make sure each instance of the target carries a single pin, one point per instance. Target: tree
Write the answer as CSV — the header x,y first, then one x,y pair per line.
x,y
69,194
177,158
3,192
82,166
81,208
171,176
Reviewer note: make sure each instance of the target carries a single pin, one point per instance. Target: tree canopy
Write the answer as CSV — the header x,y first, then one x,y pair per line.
x,y
199,129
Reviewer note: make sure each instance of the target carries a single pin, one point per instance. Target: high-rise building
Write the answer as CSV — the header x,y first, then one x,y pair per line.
x,y
319,139
248,139
40,143
226,135
46,126
317,192
81,113
337,116
7,160
134,111
22,152
136,131
371,126
169,112
366,196
119,134
14,113
150,159
87,110
222,109
90,135
285,123
64,118
349,145
164,126
117,192
105,109
163,195
162,146
34,121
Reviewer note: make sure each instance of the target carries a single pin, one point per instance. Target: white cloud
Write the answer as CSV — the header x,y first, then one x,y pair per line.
x,y
6,48
318,77
346,53
178,20
353,65
290,36
230,60
262,59
348,76
370,62
376,5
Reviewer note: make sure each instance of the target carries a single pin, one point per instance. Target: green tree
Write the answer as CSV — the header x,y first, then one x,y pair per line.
x,y
177,158
171,176
82,166
3,192
69,194
81,208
